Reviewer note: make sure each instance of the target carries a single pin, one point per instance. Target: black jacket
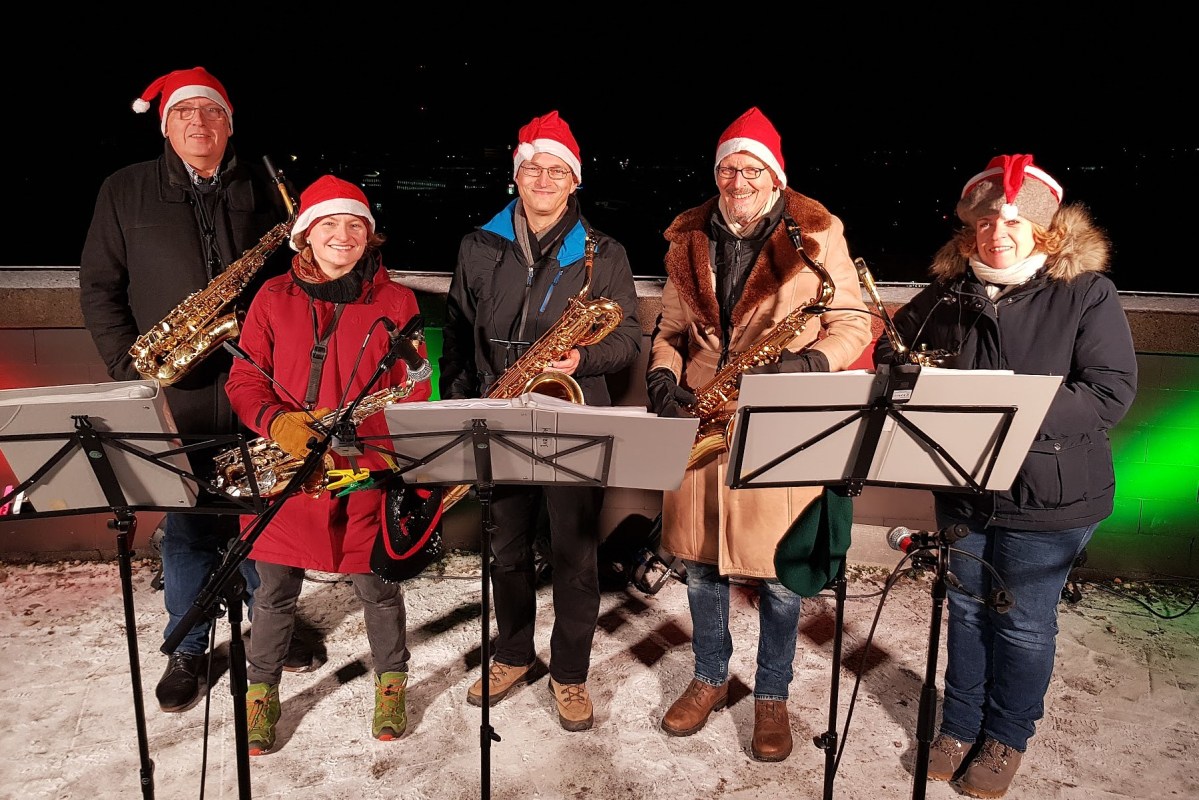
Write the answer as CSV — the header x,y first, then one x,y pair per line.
x,y
493,289
144,254
1065,321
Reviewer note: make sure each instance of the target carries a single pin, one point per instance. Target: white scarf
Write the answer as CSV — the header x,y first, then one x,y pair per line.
x,y
1000,281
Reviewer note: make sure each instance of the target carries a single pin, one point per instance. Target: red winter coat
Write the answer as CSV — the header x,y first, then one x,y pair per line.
x,y
327,533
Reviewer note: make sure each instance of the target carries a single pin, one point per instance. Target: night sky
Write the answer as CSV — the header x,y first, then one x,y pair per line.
x,y
884,134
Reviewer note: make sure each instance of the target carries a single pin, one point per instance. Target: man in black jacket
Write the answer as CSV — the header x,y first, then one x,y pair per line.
x,y
514,280
162,230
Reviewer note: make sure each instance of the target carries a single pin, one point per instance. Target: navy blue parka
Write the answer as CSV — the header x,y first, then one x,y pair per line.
x,y
1068,321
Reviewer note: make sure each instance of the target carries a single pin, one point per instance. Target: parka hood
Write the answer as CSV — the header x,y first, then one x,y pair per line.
x,y
1086,248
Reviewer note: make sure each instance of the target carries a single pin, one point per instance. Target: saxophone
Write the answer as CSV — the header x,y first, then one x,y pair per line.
x,y
192,330
274,467
902,353
584,322
715,433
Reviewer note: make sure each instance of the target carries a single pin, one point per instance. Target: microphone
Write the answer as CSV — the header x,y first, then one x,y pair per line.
x,y
905,540
403,344
241,355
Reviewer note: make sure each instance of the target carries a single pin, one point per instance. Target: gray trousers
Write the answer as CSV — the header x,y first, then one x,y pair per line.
x,y
275,617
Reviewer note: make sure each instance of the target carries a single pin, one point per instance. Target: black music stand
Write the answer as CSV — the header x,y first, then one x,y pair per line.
x,y
901,426
83,467
531,439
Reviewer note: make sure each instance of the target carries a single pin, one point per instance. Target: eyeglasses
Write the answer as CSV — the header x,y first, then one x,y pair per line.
x,y
750,173
210,113
535,170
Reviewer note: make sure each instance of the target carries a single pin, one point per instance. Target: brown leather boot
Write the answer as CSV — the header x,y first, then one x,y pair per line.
x,y
690,712
501,680
772,731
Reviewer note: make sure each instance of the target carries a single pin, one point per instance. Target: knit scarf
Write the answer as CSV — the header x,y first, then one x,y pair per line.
x,y
308,276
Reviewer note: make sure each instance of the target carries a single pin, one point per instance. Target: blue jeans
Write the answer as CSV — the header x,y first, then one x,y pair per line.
x,y
1000,664
712,643
191,552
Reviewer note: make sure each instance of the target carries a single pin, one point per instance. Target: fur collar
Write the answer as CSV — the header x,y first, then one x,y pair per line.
x,y
689,267
1086,248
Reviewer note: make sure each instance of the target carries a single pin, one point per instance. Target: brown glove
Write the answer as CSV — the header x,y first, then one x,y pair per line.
x,y
292,431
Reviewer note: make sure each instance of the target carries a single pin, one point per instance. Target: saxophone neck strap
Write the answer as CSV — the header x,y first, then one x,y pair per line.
x,y
319,351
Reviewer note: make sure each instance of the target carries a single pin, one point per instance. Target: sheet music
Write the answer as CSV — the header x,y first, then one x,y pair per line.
x,y
646,451
965,413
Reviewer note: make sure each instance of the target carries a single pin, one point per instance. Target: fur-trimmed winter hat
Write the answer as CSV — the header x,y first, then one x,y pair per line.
x,y
328,195
1011,186
180,85
547,134
752,133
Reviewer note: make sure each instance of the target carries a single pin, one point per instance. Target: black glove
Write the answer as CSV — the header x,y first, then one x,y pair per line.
x,y
666,397
804,361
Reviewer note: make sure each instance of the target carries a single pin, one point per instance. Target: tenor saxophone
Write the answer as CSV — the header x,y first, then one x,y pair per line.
x,y
274,467
584,322
196,327
715,432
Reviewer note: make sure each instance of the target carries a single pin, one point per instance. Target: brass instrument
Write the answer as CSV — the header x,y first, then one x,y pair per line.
x,y
584,322
924,357
715,433
274,467
192,330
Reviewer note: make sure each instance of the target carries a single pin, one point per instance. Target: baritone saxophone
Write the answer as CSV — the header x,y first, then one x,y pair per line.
x,y
196,327
584,322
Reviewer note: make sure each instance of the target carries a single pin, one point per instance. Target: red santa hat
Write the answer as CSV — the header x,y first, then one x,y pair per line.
x,y
1011,186
326,196
181,85
752,133
548,134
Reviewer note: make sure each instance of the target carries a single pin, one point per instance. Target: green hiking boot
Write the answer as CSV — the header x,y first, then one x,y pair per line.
x,y
391,713
262,713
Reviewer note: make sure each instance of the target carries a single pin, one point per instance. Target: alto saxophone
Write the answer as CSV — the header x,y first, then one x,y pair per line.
x,y
192,330
585,322
274,467
902,353
715,433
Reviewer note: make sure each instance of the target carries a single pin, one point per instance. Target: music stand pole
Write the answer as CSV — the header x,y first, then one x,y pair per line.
x,y
125,524
481,446
828,740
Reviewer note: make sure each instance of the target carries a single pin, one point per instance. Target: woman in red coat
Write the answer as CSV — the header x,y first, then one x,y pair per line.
x,y
337,293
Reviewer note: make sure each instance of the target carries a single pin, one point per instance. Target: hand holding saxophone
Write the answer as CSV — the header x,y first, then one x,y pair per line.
x,y
293,431
803,361
666,397
567,364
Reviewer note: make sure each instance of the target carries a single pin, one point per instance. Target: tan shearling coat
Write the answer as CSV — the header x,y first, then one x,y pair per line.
x,y
704,520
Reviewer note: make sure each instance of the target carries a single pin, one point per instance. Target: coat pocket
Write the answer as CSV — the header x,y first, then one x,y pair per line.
x,y
1061,472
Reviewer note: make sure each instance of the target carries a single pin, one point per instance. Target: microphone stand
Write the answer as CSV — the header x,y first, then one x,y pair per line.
x,y
927,715
226,582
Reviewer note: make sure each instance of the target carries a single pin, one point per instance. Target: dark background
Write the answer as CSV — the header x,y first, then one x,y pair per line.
x,y
884,135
